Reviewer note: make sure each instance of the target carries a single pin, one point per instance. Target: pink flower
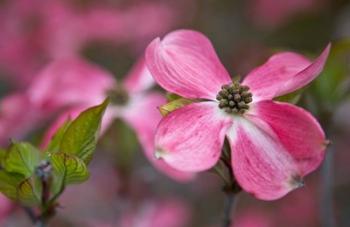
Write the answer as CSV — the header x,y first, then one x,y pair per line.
x,y
76,85
273,144
252,218
17,117
59,86
272,13
170,213
301,204
67,30
69,82
6,207
34,32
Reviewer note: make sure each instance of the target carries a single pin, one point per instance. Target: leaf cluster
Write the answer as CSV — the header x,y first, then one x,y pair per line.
x,y
25,167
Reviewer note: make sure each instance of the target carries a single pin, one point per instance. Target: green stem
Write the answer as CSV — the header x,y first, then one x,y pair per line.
x,y
326,188
229,207
231,188
47,205
327,210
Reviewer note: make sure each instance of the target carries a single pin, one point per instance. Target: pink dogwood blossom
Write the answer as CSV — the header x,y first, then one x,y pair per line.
x,y
302,204
252,218
158,213
77,84
273,13
13,121
35,32
5,208
59,86
273,144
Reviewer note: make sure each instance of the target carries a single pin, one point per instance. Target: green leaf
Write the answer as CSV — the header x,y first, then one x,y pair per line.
x,y
81,136
173,105
55,143
21,158
29,191
332,85
67,169
20,189
2,154
293,97
70,167
9,183
171,96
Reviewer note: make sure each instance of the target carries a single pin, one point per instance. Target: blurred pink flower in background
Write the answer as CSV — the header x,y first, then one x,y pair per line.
x,y
68,31
157,213
71,85
52,91
5,208
273,13
270,155
302,204
252,218
16,116
77,85
69,82
34,32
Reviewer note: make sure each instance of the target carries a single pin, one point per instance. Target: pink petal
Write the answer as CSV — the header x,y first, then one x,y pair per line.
x,y
260,163
253,217
144,117
6,206
139,78
284,73
157,213
69,82
273,13
185,63
18,115
298,131
191,138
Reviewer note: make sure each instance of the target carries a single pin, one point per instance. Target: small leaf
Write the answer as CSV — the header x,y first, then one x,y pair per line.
x,y
55,143
3,153
293,97
67,169
28,191
173,105
172,97
9,183
332,85
80,138
19,189
21,158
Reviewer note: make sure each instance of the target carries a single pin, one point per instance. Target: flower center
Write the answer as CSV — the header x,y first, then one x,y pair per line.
x,y
234,98
118,95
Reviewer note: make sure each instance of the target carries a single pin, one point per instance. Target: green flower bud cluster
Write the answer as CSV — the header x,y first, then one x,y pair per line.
x,y
234,98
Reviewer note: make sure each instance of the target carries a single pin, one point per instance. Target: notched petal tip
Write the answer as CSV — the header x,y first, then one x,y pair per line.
x,y
154,44
327,143
296,182
159,153
328,48
156,40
